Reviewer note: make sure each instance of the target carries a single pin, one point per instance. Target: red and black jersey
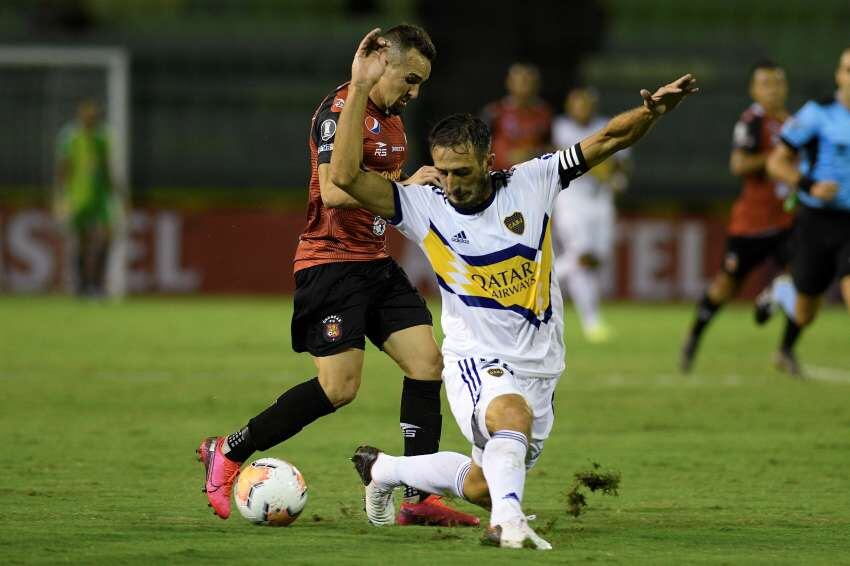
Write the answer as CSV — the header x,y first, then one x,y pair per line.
x,y
518,129
759,209
337,234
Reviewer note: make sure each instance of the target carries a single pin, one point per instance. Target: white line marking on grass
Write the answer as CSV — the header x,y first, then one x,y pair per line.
x,y
824,373
659,380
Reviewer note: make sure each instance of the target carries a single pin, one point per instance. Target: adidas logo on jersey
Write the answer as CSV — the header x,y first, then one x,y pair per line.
x,y
460,238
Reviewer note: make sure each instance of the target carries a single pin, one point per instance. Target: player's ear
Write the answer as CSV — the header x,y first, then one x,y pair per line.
x,y
491,159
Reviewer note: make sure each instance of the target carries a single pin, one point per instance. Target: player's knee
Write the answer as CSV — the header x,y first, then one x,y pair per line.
x,y
845,291
340,386
722,288
805,316
427,365
805,309
509,412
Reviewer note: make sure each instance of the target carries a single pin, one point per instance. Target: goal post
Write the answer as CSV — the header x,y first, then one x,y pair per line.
x,y
115,62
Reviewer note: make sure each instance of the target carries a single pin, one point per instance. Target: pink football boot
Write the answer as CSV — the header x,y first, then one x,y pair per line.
x,y
221,473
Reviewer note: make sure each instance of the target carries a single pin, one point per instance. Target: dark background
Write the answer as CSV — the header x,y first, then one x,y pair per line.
x,y
223,90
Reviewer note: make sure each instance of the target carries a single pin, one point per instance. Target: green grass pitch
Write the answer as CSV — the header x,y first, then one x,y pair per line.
x,y
102,406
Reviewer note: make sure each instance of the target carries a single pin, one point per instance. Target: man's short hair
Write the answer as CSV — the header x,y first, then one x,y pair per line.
x,y
525,66
582,87
408,36
763,64
459,130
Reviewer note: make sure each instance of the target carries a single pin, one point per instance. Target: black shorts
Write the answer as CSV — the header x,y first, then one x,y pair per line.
x,y
337,305
744,253
821,249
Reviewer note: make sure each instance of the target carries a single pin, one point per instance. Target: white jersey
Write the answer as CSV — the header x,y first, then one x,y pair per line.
x,y
565,133
494,263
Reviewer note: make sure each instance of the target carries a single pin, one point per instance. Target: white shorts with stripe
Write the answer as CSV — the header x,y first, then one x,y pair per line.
x,y
471,383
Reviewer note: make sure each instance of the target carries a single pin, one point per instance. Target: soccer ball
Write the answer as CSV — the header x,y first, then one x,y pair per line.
x,y
270,492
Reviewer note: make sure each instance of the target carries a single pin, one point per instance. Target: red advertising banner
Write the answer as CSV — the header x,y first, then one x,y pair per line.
x,y
248,252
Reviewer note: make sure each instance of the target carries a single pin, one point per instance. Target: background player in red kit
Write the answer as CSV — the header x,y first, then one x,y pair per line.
x,y
348,289
759,227
521,122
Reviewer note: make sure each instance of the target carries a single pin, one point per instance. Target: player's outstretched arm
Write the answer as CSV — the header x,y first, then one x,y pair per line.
x,y
627,128
374,192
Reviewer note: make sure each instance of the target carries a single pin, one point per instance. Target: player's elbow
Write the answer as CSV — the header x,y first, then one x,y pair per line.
x,y
735,167
332,199
342,178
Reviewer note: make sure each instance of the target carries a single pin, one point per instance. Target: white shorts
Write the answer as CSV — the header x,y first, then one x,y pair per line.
x,y
584,225
471,383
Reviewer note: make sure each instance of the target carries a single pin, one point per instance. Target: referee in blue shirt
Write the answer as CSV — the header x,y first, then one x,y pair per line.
x,y
815,158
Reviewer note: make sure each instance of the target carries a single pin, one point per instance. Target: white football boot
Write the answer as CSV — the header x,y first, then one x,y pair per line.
x,y
379,502
514,534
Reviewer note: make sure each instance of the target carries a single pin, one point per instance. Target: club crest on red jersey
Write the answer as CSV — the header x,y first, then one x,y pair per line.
x,y
379,226
328,129
373,125
332,328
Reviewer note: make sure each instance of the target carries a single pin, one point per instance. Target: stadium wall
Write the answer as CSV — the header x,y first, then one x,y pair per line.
x,y
658,257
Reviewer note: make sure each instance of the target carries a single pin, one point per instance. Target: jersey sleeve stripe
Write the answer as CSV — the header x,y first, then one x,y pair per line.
x,y
543,232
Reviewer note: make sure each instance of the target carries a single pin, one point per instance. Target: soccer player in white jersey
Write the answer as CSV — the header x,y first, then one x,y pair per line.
x,y
584,215
487,236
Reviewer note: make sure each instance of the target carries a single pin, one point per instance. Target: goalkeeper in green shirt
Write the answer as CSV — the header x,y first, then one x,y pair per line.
x,y
83,195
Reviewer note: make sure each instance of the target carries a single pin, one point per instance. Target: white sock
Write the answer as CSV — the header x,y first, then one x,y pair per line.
x,y
504,469
785,295
583,285
442,473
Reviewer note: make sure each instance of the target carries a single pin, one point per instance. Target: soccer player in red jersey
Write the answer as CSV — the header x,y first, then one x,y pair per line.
x,y
759,227
521,122
347,289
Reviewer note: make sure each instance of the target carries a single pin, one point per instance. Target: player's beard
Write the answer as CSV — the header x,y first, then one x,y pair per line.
x,y
399,105
475,195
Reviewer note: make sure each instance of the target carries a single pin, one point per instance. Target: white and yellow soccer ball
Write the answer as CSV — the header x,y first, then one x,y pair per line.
x,y
270,492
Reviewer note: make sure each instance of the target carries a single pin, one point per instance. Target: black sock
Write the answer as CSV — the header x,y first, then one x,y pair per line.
x,y
239,446
292,411
420,420
792,332
705,312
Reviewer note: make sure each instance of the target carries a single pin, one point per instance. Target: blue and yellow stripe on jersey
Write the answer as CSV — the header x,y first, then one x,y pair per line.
x,y
517,278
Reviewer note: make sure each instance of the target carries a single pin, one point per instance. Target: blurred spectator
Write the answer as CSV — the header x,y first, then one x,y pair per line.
x,y
584,214
520,122
82,197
